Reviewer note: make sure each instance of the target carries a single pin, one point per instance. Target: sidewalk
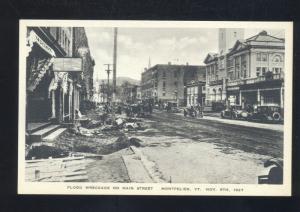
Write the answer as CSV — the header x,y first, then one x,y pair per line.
x,y
276,127
214,117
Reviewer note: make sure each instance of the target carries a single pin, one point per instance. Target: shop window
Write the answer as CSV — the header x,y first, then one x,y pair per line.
x,y
275,70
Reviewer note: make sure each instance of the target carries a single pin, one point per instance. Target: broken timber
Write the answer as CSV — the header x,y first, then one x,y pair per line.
x,y
70,169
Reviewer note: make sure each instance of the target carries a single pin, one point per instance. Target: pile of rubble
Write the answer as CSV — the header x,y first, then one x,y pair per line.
x,y
105,123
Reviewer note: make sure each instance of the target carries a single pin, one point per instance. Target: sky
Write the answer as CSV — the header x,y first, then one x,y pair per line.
x,y
137,45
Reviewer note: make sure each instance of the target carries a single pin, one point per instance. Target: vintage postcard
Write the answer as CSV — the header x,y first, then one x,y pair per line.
x,y
155,108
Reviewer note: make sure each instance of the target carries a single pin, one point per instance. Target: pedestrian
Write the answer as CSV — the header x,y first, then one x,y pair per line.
x,y
184,112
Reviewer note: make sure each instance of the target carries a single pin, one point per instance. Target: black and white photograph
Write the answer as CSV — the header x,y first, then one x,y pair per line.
x,y
155,108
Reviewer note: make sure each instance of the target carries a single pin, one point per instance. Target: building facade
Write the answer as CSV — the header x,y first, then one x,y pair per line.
x,y
51,95
216,66
81,49
257,75
166,83
250,73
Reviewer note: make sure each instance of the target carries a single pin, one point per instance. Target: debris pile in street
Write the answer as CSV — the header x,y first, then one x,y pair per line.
x,y
67,169
43,151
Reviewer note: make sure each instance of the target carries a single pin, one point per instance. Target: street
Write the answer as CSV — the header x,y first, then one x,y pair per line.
x,y
187,150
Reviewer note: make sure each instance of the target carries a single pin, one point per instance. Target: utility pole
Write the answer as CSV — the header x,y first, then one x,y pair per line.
x,y
115,62
108,70
114,72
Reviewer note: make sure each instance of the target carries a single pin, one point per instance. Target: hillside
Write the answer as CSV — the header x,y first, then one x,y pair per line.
x,y
121,80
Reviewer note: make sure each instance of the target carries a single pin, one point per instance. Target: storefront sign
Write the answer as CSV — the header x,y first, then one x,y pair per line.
x,y
67,64
34,38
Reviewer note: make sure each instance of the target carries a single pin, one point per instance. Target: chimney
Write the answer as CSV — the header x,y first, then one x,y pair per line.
x,y
169,63
187,63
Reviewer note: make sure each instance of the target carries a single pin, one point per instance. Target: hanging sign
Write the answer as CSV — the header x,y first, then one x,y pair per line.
x,y
34,38
67,64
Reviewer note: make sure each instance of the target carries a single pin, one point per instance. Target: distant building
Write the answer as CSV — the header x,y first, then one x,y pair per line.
x,y
166,83
136,94
81,49
195,87
216,66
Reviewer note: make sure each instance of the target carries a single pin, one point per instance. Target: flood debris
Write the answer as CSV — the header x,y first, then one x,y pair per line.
x,y
43,151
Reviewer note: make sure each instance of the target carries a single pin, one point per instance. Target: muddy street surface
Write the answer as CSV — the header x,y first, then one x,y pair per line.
x,y
227,136
172,149
188,150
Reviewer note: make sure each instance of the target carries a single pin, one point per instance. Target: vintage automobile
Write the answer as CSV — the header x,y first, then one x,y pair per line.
x,y
273,172
234,112
267,114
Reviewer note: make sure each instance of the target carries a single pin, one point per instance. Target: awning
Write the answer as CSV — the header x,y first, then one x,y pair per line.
x,y
34,38
39,66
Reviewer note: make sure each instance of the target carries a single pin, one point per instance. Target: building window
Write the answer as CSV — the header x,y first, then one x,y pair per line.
x,y
175,74
164,93
257,71
277,59
258,57
263,71
175,84
264,57
164,74
164,85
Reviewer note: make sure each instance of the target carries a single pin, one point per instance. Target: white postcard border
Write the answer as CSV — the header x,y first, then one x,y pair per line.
x,y
157,188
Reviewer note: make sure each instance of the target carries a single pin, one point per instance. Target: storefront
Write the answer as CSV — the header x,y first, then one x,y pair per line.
x,y
38,78
267,93
52,94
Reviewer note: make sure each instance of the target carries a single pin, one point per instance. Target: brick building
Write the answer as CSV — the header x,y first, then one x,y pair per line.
x,y
166,82
81,49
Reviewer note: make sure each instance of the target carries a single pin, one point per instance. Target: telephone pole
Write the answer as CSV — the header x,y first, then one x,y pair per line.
x,y
114,72
108,70
115,63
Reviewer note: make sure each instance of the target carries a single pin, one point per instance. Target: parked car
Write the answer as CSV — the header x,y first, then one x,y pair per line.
x,y
267,114
234,112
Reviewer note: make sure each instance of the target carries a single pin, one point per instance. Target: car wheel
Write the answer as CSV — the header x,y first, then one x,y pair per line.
x,y
276,116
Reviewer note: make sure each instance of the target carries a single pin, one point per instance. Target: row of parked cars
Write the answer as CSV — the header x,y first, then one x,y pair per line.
x,y
260,113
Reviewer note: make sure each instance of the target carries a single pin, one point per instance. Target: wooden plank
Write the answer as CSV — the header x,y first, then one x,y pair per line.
x,y
76,179
55,159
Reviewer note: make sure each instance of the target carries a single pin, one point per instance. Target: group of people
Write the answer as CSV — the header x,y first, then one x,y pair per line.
x,y
192,111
